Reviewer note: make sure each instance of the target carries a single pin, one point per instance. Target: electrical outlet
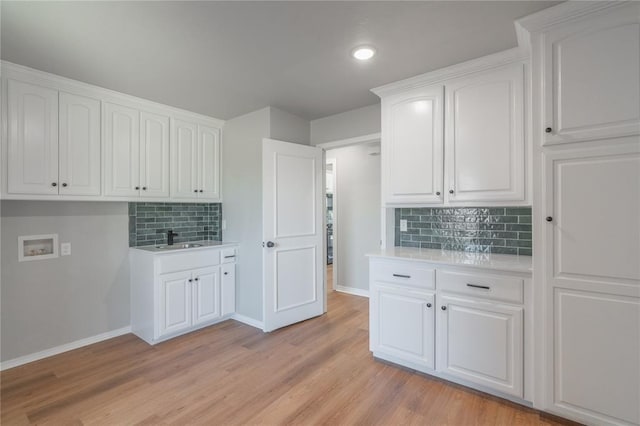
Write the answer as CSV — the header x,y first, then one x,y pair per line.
x,y
403,225
65,249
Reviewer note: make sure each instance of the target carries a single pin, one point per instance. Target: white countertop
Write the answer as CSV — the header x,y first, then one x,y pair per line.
x,y
204,244
501,262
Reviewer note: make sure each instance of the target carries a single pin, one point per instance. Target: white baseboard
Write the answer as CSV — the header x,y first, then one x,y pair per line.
x,y
248,320
63,348
351,290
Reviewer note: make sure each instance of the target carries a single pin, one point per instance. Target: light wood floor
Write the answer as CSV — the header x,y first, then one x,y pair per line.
x,y
316,372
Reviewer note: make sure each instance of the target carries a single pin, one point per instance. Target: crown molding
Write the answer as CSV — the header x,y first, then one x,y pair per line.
x,y
31,75
484,63
567,11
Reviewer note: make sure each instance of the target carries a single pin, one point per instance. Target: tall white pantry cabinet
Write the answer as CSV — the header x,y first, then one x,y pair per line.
x,y
586,130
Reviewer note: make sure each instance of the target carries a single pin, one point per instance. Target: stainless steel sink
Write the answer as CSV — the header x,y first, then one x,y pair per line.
x,y
178,246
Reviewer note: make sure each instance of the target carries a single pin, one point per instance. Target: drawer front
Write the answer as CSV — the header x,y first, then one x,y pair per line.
x,y
495,287
190,260
399,272
229,255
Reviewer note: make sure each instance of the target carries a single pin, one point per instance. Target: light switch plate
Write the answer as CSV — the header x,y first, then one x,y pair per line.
x,y
65,249
403,225
223,225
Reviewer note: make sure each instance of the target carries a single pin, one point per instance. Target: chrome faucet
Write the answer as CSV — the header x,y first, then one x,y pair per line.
x,y
170,235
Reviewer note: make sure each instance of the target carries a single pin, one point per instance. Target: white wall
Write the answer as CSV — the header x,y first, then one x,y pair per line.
x,y
242,204
289,127
48,303
357,204
357,122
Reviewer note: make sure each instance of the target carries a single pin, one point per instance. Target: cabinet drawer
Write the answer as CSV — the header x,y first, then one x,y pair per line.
x,y
408,273
496,287
228,255
191,260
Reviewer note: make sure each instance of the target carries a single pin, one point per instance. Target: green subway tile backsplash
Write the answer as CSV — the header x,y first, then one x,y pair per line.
x,y
149,222
505,230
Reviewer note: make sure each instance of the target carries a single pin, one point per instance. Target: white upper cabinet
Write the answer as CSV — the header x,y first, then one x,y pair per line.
x,y
459,142
122,150
66,140
184,153
54,142
412,146
154,155
485,137
32,151
137,153
195,161
209,160
79,145
590,78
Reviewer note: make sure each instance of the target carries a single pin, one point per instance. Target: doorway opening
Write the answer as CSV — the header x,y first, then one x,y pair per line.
x,y
353,214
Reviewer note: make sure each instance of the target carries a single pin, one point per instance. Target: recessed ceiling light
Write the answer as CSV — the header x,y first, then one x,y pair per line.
x,y
363,53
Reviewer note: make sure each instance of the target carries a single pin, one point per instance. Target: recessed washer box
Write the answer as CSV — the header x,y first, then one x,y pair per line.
x,y
37,247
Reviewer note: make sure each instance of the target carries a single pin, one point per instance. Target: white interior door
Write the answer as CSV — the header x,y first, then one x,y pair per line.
x,y
293,231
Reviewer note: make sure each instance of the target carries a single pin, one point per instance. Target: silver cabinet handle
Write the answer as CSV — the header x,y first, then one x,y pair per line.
x,y
402,276
228,257
484,287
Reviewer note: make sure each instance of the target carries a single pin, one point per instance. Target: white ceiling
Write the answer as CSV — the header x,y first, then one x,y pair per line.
x,y
224,59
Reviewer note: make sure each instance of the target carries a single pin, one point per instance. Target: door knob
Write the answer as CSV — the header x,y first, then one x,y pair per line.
x,y
137,187
451,191
548,218
438,193
54,184
64,184
428,305
271,244
144,188
444,308
548,130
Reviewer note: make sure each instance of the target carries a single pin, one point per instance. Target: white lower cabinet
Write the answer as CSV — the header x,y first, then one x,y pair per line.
x,y
481,342
174,293
405,323
463,325
175,303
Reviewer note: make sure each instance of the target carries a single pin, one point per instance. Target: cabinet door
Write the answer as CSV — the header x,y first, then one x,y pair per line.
x,y
481,342
122,150
175,303
184,152
154,155
32,151
412,144
79,145
591,84
593,200
206,294
228,290
403,323
597,356
208,163
593,283
485,144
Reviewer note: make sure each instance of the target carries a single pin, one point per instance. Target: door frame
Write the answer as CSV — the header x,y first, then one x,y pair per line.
x,y
334,163
387,215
